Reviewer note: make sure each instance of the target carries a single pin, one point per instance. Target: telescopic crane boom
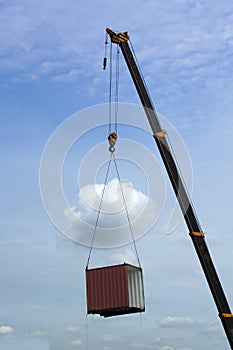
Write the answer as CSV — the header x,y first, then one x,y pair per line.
x,y
194,228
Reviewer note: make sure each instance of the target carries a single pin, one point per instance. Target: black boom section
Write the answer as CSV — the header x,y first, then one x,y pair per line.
x,y
181,194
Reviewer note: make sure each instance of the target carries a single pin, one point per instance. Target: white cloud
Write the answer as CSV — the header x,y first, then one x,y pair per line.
x,y
76,342
6,330
124,254
171,321
164,339
214,329
113,227
68,77
50,66
72,329
39,333
166,348
111,338
137,346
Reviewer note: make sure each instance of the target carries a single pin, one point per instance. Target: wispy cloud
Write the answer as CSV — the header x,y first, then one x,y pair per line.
x,y
111,338
42,33
48,32
76,343
137,346
180,321
39,334
125,254
70,76
72,329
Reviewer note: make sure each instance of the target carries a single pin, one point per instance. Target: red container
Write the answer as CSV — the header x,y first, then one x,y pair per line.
x,y
115,290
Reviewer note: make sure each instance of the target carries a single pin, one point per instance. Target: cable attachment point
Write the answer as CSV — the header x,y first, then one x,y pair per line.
x,y
112,139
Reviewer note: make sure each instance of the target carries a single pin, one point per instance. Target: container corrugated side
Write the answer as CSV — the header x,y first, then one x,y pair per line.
x,y
107,288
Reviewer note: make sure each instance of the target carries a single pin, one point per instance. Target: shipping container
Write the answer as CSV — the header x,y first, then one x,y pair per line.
x,y
115,290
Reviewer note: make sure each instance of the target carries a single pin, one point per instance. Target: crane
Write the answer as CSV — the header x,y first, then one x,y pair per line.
x,y
194,228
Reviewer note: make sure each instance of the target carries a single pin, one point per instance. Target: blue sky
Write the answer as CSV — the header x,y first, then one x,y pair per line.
x,y
51,68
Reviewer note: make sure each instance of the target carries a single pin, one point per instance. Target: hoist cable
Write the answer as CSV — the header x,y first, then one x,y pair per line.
x,y
110,94
86,330
126,210
113,121
141,339
99,210
117,75
112,149
117,87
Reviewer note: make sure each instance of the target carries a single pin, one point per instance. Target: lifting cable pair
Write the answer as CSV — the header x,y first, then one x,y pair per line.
x,y
112,139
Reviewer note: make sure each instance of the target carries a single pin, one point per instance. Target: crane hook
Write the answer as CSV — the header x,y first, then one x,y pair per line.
x,y
112,139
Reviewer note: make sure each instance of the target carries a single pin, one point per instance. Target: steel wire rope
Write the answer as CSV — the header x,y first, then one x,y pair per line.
x,y
86,331
117,77
110,94
117,87
141,335
112,156
126,211
99,210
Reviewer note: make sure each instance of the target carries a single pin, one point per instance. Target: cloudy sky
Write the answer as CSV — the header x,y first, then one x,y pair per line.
x,y
51,69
